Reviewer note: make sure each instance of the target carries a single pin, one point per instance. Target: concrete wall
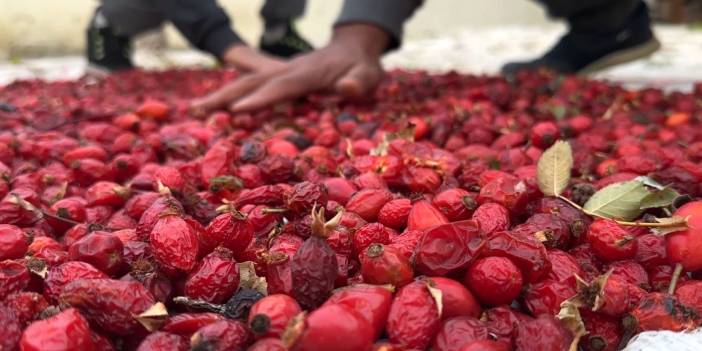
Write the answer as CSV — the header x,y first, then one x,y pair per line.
x,y
56,27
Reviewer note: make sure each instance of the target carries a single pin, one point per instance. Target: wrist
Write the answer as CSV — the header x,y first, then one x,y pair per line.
x,y
364,38
232,55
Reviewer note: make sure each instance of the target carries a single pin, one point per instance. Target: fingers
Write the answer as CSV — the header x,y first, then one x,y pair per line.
x,y
275,90
359,80
229,93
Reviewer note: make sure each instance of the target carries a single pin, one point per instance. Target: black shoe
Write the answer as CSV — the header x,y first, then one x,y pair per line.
x,y
106,51
284,41
587,52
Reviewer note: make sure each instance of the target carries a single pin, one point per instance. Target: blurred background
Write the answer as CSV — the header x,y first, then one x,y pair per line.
x,y
45,39
30,28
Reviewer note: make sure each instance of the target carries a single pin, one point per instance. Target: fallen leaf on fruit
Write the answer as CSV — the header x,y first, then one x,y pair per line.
x,y
620,201
554,167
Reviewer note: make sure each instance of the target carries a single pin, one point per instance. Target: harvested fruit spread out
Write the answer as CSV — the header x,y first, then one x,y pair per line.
x,y
448,212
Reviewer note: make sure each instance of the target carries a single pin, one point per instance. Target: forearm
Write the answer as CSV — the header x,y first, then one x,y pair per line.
x,y
203,23
389,15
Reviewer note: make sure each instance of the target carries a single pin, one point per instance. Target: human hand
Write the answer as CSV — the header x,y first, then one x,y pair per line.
x,y
248,60
349,64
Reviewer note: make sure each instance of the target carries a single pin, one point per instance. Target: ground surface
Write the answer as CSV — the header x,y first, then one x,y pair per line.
x,y
483,50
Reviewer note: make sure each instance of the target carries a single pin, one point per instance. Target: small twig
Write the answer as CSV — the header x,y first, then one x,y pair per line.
x,y
674,279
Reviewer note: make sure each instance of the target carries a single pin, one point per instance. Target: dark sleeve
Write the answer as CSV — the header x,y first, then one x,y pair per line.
x,y
387,14
202,22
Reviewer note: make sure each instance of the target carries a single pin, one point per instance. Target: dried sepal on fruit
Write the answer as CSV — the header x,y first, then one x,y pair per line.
x,y
249,280
570,316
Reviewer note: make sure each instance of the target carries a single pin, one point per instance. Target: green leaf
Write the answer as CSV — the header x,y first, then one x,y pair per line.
x,y
661,198
620,201
554,167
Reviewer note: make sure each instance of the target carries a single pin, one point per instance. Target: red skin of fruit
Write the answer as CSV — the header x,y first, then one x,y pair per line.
x,y
690,294
508,191
277,168
547,228
610,241
492,218
576,220
313,269
529,255
153,108
544,333
174,244
448,248
110,304
106,193
162,341
456,299
66,331
372,302
159,207
605,332
651,250
329,328
84,152
13,242
546,296
26,306
381,264
102,250
544,134
685,247
269,316
394,213
268,344
502,321
620,297
406,242
231,230
139,203
217,161
659,277
564,267
304,196
370,180
589,263
278,263
72,208
424,215
421,180
369,234
368,202
339,189
62,275
11,329
631,272
14,277
414,318
215,279
485,345
458,331
456,204
186,324
494,280
660,311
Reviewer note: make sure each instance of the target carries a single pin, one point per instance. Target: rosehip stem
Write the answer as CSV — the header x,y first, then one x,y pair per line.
x,y
674,278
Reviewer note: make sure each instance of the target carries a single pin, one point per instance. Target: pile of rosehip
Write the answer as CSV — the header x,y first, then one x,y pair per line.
x,y
448,212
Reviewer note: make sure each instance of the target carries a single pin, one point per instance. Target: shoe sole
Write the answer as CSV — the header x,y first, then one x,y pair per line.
x,y
622,56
